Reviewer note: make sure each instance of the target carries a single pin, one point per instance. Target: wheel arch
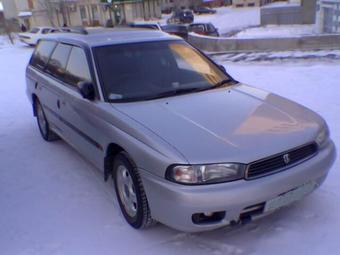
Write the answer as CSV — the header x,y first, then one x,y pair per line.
x,y
112,151
34,100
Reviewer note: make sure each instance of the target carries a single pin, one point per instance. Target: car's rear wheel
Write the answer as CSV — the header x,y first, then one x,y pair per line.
x,y
44,127
130,193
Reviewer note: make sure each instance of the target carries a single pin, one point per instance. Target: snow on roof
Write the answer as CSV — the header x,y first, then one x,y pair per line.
x,y
24,14
281,4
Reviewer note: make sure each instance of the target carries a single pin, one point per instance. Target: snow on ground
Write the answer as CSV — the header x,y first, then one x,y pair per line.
x,y
315,55
228,19
276,31
53,202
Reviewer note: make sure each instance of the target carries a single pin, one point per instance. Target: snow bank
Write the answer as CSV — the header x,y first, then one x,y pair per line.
x,y
277,31
281,4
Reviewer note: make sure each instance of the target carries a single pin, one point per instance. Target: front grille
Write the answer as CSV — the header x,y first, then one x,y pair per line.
x,y
280,161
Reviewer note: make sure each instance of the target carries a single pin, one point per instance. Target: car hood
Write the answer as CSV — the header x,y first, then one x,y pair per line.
x,y
236,124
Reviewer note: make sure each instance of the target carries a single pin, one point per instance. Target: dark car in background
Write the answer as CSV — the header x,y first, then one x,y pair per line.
x,y
203,10
172,29
167,10
175,29
181,17
204,29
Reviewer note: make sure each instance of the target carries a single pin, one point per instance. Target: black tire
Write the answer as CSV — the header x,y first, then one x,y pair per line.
x,y
142,218
44,127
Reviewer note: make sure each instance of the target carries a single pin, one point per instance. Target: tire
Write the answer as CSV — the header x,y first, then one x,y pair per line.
x,y
130,193
44,127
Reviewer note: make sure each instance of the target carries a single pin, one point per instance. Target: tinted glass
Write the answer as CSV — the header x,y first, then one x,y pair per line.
x,y
34,30
42,54
77,68
171,66
45,31
57,63
210,28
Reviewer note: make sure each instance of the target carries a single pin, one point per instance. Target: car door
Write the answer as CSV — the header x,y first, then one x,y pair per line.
x,y
55,72
44,85
80,116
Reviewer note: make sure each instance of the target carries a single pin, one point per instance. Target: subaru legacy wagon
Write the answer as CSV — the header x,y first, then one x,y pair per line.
x,y
185,143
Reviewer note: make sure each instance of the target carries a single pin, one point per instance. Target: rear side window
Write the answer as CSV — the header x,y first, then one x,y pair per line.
x,y
42,53
57,63
77,68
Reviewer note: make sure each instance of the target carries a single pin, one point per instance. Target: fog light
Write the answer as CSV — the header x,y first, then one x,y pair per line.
x,y
208,217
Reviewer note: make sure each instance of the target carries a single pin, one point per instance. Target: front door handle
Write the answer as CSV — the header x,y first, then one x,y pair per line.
x,y
58,104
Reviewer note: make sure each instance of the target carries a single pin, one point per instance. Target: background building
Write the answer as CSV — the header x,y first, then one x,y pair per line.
x,y
80,12
2,19
294,12
328,16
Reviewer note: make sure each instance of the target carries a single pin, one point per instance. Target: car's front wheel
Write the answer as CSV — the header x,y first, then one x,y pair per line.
x,y
130,193
44,127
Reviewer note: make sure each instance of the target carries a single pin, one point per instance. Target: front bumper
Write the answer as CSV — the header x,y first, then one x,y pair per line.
x,y
174,204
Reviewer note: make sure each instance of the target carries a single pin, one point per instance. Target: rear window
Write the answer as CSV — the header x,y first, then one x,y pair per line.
x,y
42,54
34,30
57,63
210,28
45,31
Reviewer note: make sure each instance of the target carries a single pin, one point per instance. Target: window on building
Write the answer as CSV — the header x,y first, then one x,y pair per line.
x,y
77,68
30,4
42,54
95,14
83,13
57,63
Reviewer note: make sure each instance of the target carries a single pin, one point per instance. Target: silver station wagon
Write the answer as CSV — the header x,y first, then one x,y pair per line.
x,y
185,144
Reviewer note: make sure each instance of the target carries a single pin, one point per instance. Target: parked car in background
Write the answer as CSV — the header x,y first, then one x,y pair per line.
x,y
172,29
176,29
181,17
185,143
203,10
154,26
204,29
167,10
35,34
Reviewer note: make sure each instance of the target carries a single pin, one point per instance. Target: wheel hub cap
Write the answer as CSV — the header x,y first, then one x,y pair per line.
x,y
126,190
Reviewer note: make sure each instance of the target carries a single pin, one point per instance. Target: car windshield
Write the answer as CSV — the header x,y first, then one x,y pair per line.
x,y
151,70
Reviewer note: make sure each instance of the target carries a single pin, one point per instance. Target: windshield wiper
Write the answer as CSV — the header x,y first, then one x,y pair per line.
x,y
225,81
176,92
170,93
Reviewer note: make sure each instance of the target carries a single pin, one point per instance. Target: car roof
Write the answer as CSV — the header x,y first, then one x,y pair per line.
x,y
112,37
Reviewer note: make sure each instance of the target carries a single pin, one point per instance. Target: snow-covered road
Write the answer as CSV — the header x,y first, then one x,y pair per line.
x,y
53,202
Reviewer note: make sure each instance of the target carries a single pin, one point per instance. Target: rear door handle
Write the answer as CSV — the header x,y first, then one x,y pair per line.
x,y
58,104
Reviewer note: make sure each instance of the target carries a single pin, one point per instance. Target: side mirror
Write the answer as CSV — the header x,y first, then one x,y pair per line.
x,y
86,89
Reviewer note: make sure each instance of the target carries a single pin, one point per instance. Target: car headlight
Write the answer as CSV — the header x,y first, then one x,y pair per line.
x,y
323,136
205,174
